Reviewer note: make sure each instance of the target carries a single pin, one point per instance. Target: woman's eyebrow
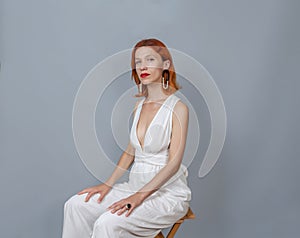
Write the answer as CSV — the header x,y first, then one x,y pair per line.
x,y
145,56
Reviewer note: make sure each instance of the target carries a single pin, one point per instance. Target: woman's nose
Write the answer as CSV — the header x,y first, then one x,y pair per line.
x,y
143,66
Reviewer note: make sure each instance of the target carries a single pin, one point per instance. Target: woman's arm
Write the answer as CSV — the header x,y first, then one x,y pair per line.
x,y
125,161
103,189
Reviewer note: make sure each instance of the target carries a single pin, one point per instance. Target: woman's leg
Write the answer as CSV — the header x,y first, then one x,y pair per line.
x,y
145,221
79,216
110,225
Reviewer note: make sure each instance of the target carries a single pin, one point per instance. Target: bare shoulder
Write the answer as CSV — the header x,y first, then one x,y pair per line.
x,y
137,103
181,108
180,119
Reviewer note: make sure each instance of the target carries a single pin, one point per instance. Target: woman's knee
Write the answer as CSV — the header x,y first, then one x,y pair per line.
x,y
75,202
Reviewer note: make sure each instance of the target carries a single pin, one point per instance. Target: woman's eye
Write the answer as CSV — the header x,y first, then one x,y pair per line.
x,y
150,59
137,62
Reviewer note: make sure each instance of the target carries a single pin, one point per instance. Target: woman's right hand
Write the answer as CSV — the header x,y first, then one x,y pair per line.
x,y
102,189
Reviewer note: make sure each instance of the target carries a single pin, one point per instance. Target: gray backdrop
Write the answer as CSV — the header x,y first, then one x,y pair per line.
x,y
251,48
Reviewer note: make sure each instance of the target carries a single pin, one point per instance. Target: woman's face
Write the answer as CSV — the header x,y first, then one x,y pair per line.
x,y
149,65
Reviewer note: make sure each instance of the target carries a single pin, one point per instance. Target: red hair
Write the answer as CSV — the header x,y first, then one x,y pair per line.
x,y
163,51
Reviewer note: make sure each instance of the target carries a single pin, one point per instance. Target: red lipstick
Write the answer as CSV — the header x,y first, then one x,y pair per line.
x,y
144,75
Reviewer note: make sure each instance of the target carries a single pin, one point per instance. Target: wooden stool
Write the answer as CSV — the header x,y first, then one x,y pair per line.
x,y
172,232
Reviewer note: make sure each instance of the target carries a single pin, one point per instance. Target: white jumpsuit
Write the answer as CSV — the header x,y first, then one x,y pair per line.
x,y
160,210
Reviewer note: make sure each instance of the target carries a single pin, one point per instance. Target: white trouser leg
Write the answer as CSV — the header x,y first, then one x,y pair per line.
x,y
91,219
80,216
110,225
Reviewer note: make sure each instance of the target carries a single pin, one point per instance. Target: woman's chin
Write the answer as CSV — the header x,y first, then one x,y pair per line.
x,y
148,82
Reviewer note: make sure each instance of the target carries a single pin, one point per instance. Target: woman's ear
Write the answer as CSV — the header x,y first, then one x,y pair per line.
x,y
166,64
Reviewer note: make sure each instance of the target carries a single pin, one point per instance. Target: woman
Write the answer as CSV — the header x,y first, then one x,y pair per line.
x,y
156,195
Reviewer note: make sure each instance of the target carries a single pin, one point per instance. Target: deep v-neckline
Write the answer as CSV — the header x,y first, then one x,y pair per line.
x,y
150,124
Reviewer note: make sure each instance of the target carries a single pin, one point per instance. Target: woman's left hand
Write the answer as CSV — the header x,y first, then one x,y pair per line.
x,y
120,207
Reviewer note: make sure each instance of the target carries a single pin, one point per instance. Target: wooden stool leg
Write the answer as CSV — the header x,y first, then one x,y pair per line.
x,y
175,227
173,230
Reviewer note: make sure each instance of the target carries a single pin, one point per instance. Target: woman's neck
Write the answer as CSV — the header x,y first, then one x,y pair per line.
x,y
155,92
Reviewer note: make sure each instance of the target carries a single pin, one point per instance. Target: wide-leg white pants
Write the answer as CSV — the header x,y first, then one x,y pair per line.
x,y
91,219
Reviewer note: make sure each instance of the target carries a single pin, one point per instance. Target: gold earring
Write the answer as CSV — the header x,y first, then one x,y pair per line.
x,y
140,88
165,86
167,73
